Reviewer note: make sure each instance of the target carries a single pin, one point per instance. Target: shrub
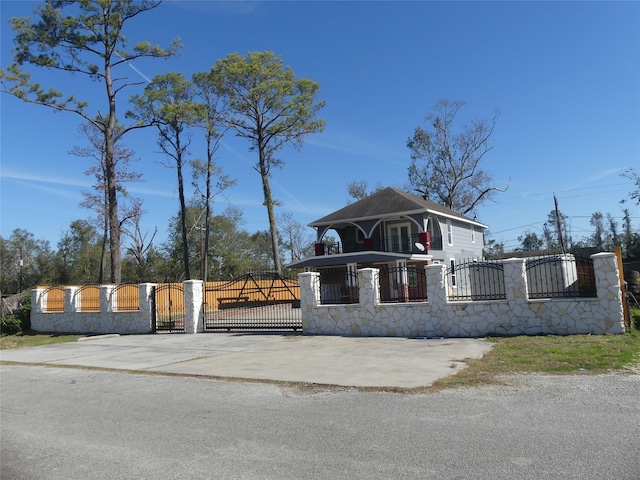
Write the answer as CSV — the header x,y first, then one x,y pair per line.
x,y
20,320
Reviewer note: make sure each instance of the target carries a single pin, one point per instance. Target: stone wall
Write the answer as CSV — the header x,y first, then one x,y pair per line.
x,y
439,317
107,320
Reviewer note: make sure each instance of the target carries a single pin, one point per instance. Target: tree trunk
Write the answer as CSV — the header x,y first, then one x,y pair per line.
x,y
268,201
207,223
111,183
183,215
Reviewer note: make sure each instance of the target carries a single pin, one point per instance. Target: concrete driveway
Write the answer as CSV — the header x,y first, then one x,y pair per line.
x,y
330,360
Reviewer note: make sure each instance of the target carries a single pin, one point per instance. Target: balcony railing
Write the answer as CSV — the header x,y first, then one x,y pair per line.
x,y
396,244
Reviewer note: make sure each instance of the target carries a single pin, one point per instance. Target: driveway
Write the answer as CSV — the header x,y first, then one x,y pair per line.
x,y
333,360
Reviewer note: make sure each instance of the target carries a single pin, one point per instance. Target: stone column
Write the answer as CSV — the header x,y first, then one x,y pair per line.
x,y
193,312
436,285
309,299
107,299
609,294
37,300
145,299
515,281
369,282
71,300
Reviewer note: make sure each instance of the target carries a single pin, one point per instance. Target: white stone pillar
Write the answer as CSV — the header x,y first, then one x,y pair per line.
x,y
309,299
369,281
610,298
71,300
107,300
145,299
436,285
38,300
193,312
515,281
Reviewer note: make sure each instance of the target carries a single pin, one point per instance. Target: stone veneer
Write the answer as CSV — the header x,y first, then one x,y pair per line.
x,y
438,317
517,315
107,320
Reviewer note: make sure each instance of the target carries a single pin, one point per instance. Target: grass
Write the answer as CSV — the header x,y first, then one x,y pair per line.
x,y
30,339
574,354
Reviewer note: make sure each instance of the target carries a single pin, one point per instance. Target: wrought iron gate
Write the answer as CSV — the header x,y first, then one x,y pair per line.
x,y
168,308
255,301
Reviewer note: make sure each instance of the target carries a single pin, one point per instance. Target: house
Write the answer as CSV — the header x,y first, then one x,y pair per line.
x,y
393,227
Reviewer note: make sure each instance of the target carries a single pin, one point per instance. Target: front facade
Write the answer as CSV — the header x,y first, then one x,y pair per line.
x,y
393,227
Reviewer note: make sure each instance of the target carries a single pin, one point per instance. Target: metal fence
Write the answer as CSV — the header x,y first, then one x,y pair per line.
x,y
406,283
127,297
255,301
475,280
89,296
560,276
54,299
338,285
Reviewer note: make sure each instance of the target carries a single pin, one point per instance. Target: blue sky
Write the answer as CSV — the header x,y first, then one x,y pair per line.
x,y
565,75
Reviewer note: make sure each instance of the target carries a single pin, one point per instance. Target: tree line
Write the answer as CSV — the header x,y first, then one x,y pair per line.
x,y
27,262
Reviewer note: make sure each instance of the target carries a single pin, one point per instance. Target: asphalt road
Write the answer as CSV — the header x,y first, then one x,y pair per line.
x,y
68,423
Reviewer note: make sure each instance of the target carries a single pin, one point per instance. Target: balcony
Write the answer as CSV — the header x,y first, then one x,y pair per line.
x,y
395,244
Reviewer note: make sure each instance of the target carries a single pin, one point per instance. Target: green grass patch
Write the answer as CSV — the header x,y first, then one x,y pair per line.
x,y
31,339
573,354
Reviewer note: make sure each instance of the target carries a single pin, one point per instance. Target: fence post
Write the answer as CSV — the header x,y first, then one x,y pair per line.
x,y
369,285
436,285
609,293
309,299
106,299
515,281
193,300
145,305
71,300
37,300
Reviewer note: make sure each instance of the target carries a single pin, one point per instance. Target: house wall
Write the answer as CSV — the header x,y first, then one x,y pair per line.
x,y
463,247
517,315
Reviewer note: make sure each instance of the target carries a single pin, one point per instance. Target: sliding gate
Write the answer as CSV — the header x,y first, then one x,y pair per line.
x,y
255,301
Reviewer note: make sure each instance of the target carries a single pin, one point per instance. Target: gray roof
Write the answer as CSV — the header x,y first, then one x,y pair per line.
x,y
386,202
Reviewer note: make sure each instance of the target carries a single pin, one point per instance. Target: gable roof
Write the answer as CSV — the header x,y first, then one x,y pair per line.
x,y
390,201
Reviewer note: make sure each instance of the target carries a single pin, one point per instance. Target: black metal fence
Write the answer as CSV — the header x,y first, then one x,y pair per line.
x,y
338,285
476,280
255,301
168,308
560,276
407,283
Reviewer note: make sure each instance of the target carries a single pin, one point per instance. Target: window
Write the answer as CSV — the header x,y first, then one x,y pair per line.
x,y
449,233
473,234
453,272
399,237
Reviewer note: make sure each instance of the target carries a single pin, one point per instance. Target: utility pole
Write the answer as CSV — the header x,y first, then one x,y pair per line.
x,y
558,224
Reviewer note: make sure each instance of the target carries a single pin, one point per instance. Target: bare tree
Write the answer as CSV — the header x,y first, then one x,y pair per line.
x,y
357,189
141,244
445,164
295,239
98,200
